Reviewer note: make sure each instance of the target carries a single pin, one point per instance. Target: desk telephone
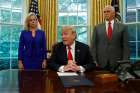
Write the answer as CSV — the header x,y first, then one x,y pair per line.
x,y
126,70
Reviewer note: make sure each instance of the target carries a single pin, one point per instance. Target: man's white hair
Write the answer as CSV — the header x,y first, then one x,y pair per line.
x,y
69,27
110,7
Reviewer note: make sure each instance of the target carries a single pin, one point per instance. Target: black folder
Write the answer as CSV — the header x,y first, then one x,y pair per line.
x,y
75,81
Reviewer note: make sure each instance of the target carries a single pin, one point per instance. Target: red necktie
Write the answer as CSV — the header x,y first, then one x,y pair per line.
x,y
109,34
69,53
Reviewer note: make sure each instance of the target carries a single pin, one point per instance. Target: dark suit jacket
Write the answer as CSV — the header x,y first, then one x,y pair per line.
x,y
105,51
82,56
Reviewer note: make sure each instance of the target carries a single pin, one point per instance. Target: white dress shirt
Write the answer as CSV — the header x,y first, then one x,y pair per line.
x,y
61,68
106,23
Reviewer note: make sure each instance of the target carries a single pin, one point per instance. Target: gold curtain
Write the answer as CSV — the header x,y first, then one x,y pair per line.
x,y
95,13
48,13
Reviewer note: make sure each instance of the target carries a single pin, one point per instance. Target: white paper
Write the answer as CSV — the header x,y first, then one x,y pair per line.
x,y
67,74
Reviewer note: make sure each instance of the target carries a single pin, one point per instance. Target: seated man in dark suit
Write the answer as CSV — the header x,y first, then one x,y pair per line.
x,y
71,55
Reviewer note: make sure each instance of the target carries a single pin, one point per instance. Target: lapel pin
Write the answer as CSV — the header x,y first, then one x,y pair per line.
x,y
78,50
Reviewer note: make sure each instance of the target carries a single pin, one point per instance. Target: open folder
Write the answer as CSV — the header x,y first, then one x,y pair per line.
x,y
75,81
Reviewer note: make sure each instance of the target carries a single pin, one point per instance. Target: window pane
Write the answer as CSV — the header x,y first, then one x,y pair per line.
x,y
14,62
73,12
139,50
11,17
133,60
5,33
138,3
133,49
59,33
16,29
61,8
67,5
82,34
138,32
66,1
16,16
72,7
5,16
132,32
82,1
138,11
131,3
72,19
131,15
82,5
63,19
4,49
5,41
82,18
5,3
133,18
14,49
4,63
17,4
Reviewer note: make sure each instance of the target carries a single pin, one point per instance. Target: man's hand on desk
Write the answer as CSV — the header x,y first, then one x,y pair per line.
x,y
71,66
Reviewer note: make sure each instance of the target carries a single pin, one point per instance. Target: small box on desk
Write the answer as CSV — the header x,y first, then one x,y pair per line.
x,y
106,78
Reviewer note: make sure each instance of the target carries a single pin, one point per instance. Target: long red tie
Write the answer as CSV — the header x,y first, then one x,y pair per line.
x,y
109,34
69,53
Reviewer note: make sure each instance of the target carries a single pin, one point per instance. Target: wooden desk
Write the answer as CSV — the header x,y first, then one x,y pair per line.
x,y
14,81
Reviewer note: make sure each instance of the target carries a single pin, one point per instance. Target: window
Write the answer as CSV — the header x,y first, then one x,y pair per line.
x,y
73,12
132,19
11,23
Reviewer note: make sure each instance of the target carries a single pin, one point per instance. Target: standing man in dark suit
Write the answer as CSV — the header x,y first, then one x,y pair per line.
x,y
110,41
70,55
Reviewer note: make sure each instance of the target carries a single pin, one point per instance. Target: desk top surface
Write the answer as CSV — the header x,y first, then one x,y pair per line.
x,y
47,81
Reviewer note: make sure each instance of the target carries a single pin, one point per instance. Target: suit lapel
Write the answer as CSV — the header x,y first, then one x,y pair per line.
x,y
115,29
64,54
104,30
77,52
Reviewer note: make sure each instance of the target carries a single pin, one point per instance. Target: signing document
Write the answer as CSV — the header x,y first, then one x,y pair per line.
x,y
67,74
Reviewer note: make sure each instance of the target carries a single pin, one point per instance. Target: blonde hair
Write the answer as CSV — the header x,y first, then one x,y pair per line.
x,y
72,28
26,24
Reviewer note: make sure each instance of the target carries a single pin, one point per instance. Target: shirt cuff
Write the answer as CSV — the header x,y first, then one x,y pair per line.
x,y
96,63
61,69
82,69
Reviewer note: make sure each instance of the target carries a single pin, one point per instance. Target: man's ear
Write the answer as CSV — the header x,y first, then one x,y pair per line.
x,y
114,13
75,35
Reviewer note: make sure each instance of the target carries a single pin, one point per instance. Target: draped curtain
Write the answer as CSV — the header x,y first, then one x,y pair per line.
x,y
48,13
